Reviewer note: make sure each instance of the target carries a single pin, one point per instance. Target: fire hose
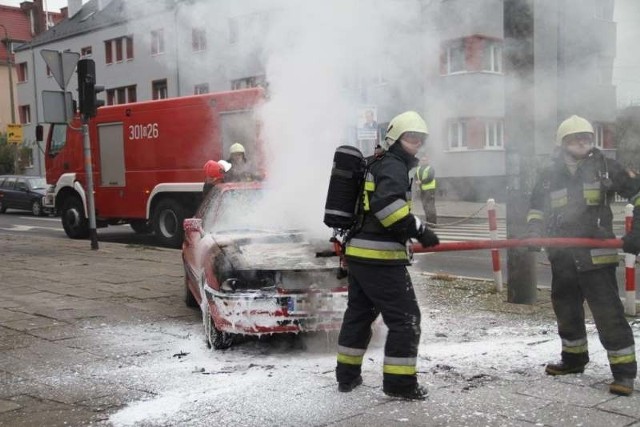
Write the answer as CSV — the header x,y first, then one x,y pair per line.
x,y
556,242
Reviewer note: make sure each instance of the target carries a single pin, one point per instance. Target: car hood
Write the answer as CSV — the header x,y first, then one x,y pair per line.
x,y
275,251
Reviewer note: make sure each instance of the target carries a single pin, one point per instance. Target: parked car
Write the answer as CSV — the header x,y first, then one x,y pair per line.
x,y
23,193
251,275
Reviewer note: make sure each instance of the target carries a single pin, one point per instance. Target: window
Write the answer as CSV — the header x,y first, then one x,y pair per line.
x,y
25,114
119,47
492,57
22,72
159,89
247,82
129,45
493,134
199,39
157,42
201,88
58,138
9,182
86,52
108,52
118,50
599,135
457,135
455,57
121,95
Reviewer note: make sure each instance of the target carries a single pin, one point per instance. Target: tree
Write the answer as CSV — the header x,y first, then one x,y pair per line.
x,y
7,156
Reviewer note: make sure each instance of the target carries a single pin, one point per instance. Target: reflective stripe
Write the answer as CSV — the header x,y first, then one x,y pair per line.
x,y
375,244
429,186
575,346
393,212
350,351
338,213
559,198
624,355
604,256
535,214
408,361
591,193
369,186
349,360
376,254
399,370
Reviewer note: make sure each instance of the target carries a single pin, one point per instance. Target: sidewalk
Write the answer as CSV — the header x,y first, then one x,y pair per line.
x,y
104,338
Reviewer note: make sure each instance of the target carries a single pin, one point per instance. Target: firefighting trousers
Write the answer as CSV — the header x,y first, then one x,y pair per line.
x,y
386,290
428,199
569,290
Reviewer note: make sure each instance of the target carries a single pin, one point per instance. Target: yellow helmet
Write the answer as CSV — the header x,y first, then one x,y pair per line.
x,y
236,148
409,121
574,124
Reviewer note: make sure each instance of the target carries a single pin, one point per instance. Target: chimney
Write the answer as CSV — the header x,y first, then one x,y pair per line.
x,y
74,7
38,18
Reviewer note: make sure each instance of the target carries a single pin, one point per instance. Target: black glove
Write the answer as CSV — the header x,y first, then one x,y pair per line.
x,y
631,240
427,238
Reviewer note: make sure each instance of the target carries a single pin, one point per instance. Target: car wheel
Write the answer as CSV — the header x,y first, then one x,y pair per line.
x,y
74,222
3,208
36,208
167,223
141,226
215,338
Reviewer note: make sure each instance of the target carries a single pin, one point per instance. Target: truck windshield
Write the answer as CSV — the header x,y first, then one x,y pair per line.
x,y
58,138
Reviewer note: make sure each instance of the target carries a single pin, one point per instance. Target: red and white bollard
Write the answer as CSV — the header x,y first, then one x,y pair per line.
x,y
629,269
493,234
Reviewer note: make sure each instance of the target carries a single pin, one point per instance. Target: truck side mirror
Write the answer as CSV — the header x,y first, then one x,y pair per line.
x,y
39,132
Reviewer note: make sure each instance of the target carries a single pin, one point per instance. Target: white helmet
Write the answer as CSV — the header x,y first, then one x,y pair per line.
x,y
574,124
409,121
236,148
225,165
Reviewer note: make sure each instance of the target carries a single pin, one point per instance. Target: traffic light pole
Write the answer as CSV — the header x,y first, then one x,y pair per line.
x,y
88,169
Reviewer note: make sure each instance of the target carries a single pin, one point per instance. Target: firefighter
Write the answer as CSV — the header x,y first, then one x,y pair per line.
x,y
426,180
571,199
213,174
240,167
377,255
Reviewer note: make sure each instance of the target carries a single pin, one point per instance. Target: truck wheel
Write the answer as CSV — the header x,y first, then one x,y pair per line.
x,y
74,222
36,208
141,226
167,223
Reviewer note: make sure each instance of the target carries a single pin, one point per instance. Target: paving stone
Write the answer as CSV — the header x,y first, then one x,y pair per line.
x,y
7,405
559,414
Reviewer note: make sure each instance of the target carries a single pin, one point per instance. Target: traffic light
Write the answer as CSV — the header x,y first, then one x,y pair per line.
x,y
87,88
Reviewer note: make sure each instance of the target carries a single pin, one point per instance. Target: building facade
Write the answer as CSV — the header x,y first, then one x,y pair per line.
x,y
151,50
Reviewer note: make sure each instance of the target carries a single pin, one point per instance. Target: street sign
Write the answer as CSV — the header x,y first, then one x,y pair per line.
x,y
57,106
61,65
14,133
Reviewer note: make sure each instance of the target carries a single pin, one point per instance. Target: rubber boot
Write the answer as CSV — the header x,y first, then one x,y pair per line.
x,y
349,386
564,368
621,386
418,392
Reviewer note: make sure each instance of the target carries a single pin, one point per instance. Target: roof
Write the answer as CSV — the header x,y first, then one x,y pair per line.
x,y
97,14
18,25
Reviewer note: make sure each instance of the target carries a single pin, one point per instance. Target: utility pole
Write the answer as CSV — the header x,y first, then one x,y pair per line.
x,y
11,100
519,143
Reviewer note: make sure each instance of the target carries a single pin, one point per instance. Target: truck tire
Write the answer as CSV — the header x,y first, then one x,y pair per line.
x,y
74,221
167,223
141,226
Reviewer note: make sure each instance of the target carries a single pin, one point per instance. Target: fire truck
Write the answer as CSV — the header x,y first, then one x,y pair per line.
x,y
147,160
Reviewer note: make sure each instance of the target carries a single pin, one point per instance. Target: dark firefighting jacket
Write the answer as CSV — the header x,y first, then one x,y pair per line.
x,y
578,205
386,222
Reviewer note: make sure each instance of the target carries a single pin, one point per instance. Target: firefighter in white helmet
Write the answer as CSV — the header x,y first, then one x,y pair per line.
x,y
241,169
377,257
571,198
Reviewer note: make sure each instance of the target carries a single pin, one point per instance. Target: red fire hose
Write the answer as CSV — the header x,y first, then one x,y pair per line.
x,y
556,242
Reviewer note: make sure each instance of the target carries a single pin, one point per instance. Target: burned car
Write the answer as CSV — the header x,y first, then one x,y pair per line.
x,y
250,276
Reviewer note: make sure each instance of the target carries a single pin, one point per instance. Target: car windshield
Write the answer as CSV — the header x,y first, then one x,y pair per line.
x,y
37,183
240,210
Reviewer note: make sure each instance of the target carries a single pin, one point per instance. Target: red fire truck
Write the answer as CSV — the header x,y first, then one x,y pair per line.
x,y
147,160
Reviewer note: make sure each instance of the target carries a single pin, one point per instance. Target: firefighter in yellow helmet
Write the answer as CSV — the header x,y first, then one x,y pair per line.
x,y
571,198
377,258
241,169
